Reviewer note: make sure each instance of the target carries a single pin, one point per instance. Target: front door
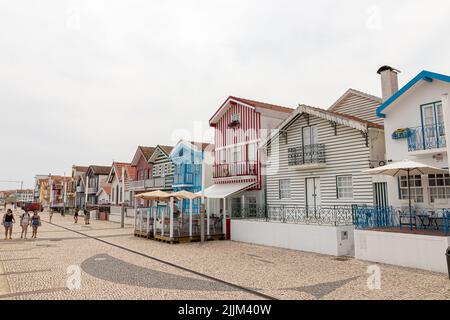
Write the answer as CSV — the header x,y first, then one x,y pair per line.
x,y
312,193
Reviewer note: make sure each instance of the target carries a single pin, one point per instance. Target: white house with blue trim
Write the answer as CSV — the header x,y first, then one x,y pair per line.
x,y
417,128
417,124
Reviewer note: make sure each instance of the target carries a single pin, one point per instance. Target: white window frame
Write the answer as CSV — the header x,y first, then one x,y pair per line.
x,y
344,187
439,187
284,189
416,188
236,117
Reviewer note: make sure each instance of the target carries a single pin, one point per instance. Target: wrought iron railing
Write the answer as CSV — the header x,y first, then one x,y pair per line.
x,y
332,215
427,137
390,217
236,169
308,154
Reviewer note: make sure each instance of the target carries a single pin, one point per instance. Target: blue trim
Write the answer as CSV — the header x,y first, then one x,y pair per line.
x,y
423,125
424,75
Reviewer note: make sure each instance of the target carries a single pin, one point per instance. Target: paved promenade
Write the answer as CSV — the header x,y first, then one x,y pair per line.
x,y
113,264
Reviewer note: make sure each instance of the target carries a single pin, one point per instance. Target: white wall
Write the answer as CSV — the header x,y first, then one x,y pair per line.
x,y
406,250
405,113
312,238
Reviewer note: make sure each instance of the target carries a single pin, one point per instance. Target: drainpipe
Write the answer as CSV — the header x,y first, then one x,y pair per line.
x,y
446,112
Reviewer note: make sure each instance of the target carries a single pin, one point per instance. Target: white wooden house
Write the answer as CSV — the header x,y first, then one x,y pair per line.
x,y
313,177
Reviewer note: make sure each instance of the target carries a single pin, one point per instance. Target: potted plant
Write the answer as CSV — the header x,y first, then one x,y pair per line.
x,y
401,133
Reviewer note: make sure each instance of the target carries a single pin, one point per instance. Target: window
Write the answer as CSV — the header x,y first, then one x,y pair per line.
x,y
416,188
222,156
309,136
251,150
285,189
344,187
236,154
439,186
236,207
252,209
236,117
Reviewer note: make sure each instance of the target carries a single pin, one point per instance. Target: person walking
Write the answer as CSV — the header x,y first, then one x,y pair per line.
x,y
25,220
8,221
35,223
87,216
75,216
50,216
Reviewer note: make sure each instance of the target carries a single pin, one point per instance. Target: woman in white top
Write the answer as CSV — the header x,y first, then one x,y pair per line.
x,y
25,220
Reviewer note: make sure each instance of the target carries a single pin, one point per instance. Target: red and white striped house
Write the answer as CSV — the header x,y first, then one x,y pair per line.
x,y
240,124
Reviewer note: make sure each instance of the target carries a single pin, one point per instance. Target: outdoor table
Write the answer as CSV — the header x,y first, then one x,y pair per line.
x,y
431,219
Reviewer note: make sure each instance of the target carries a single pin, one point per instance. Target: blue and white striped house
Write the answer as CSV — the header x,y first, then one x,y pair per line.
x,y
187,158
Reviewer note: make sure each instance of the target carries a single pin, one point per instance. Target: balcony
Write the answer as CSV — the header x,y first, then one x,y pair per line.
x,y
426,138
184,174
307,157
137,185
237,169
154,183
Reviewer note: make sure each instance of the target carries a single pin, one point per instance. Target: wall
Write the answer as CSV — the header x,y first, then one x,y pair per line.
x,y
405,113
406,250
311,238
346,154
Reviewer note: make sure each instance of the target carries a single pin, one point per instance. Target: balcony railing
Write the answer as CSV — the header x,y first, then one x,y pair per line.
x,y
158,182
246,168
309,154
92,190
436,220
137,185
329,216
427,138
184,174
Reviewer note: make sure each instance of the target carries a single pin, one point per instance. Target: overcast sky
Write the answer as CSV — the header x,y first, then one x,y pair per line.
x,y
86,82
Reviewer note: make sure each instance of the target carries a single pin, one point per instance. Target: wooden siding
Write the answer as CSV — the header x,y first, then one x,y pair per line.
x,y
359,106
247,132
346,154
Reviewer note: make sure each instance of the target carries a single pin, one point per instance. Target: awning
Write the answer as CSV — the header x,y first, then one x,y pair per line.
x,y
220,191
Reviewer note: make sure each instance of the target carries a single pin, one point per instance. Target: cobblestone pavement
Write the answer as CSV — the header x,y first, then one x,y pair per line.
x,y
41,268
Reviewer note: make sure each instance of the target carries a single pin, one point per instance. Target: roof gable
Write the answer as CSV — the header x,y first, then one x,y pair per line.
x,y
350,92
160,149
144,152
332,116
252,104
422,76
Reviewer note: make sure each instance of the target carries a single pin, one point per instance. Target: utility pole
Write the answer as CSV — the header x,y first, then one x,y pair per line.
x,y
202,206
122,216
65,194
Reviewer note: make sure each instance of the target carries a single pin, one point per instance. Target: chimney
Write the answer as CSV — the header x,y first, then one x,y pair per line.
x,y
389,81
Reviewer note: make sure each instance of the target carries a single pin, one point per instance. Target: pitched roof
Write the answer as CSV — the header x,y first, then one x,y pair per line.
x,y
80,168
147,151
424,75
342,119
252,103
357,92
100,170
203,145
318,112
117,168
166,149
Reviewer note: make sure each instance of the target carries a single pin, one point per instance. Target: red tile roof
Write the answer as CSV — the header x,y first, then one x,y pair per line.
x,y
147,151
255,104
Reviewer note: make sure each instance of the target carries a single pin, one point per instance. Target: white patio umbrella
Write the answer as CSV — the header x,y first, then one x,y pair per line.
x,y
407,167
